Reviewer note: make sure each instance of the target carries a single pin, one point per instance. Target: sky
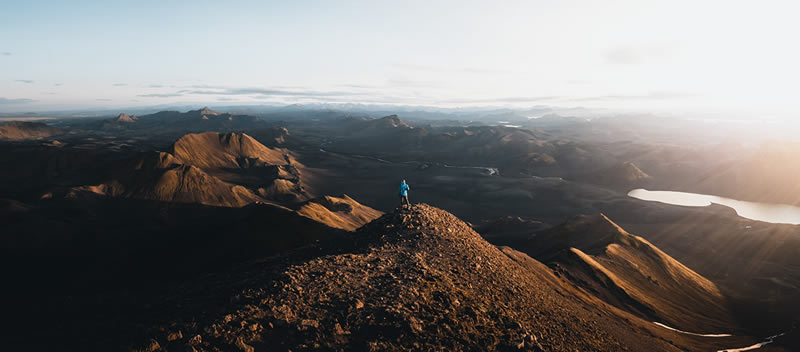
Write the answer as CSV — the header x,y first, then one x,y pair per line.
x,y
712,56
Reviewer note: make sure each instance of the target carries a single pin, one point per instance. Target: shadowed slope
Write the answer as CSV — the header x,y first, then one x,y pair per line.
x,y
623,175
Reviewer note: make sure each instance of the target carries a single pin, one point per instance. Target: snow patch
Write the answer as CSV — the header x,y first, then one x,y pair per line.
x,y
691,333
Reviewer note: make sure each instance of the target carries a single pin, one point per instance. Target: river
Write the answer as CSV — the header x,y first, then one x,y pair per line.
x,y
768,341
490,171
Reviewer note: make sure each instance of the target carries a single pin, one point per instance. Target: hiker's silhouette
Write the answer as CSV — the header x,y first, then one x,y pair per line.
x,y
404,193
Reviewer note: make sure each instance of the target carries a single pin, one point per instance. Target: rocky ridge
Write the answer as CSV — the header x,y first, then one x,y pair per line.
x,y
414,279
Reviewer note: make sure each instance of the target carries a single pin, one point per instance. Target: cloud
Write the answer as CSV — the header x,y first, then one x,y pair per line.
x,y
249,91
483,71
472,70
655,95
155,86
267,92
15,101
119,84
410,83
638,54
160,95
27,81
103,99
6,53
503,100
58,84
356,93
577,82
359,86
296,88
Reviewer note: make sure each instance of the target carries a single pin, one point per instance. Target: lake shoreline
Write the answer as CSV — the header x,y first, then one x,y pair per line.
x,y
766,212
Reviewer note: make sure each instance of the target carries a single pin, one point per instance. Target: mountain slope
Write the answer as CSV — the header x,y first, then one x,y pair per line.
x,y
122,120
622,175
20,130
415,279
174,123
161,176
628,272
229,150
339,212
230,170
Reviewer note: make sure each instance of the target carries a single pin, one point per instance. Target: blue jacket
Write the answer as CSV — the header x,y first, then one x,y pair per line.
x,y
404,189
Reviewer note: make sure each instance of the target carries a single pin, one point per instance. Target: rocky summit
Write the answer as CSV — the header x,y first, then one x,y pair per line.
x,y
417,278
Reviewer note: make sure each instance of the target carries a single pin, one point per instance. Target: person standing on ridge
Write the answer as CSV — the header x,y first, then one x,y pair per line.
x,y
404,193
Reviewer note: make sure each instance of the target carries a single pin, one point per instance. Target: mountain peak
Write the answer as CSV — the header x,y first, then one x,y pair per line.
x,y
422,222
392,121
228,150
123,117
419,276
206,111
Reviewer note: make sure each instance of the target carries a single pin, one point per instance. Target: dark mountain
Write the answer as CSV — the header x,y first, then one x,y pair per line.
x,y
32,170
272,136
99,269
511,226
176,123
623,176
391,137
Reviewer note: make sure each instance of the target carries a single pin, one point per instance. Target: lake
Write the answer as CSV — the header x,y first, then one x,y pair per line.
x,y
772,213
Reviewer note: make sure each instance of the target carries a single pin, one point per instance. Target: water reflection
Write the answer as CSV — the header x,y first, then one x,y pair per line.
x,y
773,213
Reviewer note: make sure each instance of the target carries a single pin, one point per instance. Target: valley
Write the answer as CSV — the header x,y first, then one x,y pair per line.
x,y
370,176
177,230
